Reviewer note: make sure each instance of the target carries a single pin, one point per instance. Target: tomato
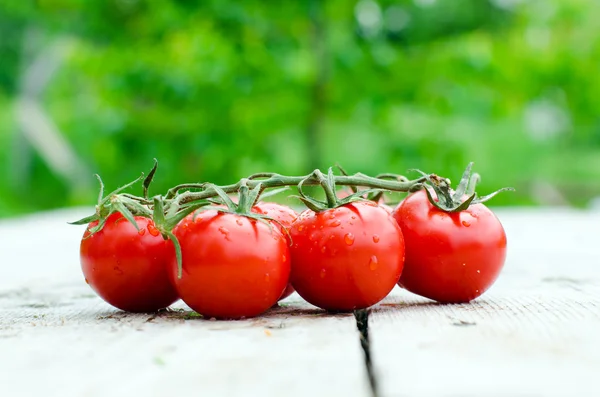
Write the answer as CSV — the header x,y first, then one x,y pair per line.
x,y
285,216
346,258
127,268
450,257
233,266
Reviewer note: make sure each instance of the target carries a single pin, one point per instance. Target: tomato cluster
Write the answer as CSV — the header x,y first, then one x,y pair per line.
x,y
233,263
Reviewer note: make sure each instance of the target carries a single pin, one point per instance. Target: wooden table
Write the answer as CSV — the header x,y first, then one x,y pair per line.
x,y
535,333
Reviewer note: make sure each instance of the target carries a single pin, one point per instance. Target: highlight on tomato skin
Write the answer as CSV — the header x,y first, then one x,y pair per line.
x,y
450,257
233,266
128,268
346,258
285,216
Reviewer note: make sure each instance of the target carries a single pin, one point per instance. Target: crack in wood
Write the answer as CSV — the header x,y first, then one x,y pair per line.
x,y
362,323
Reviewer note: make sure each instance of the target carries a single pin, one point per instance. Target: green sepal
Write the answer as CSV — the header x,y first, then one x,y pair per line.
x,y
178,255
119,190
149,178
224,197
358,196
120,207
86,220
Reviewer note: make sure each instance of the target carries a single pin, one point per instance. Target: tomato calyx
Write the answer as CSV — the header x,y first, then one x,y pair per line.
x,y
447,199
128,205
327,182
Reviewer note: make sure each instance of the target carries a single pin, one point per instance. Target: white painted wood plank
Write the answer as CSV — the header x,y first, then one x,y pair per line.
x,y
536,332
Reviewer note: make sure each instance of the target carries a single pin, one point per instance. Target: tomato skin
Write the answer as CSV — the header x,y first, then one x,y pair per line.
x,y
127,268
233,266
450,257
285,216
346,258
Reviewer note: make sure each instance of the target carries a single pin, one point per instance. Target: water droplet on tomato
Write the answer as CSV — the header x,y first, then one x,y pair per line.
x,y
349,238
375,238
373,263
86,281
351,223
331,215
323,273
466,223
239,222
141,232
336,223
267,277
353,217
478,271
283,258
118,270
153,230
323,248
300,228
321,227
332,237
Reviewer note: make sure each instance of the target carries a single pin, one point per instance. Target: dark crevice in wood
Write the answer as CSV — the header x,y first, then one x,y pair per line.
x,y
362,323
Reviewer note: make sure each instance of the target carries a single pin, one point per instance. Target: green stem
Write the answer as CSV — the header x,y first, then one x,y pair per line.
x,y
281,180
328,188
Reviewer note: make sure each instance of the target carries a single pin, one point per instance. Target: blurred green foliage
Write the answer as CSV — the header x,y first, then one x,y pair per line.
x,y
218,89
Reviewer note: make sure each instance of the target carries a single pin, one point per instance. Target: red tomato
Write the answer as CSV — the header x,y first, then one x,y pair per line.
x,y
450,257
285,216
233,266
346,258
127,268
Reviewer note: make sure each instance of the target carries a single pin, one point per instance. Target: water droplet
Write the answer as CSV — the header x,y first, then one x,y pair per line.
x,y
86,281
375,238
373,263
283,258
300,228
332,237
349,238
476,290
118,270
331,215
239,222
336,223
478,271
353,217
141,232
323,248
322,273
466,224
267,277
464,264
321,227
153,230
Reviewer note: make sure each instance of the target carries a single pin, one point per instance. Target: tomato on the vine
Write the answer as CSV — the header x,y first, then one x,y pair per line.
x,y
346,258
126,267
232,266
285,216
451,257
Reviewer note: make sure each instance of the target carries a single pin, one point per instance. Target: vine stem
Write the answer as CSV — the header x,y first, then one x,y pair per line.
x,y
174,199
